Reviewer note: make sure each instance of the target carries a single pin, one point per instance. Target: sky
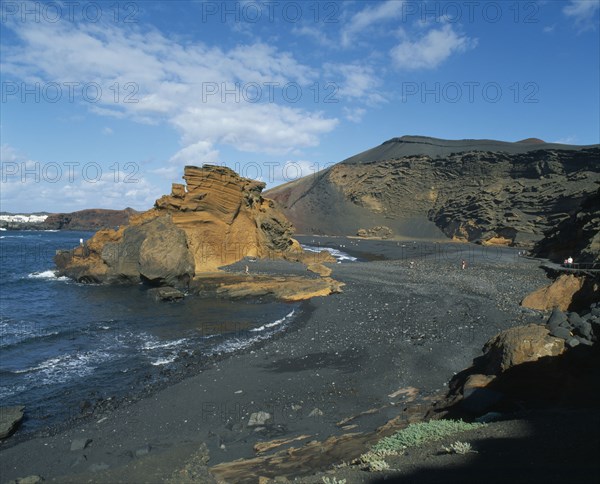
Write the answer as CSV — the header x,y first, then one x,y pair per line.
x,y
104,103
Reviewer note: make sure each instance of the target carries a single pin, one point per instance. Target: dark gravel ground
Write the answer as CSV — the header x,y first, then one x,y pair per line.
x,y
394,326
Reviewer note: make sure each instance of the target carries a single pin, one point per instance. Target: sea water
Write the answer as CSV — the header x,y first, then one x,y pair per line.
x,y
64,343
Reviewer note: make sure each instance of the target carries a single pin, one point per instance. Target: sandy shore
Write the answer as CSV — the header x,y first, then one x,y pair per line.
x,y
410,319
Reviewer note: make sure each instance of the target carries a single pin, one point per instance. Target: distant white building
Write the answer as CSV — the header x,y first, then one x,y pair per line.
x,y
23,218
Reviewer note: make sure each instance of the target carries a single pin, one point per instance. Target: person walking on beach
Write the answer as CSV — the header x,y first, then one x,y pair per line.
x,y
463,264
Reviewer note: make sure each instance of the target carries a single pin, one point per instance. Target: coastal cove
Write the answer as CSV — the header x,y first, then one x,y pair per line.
x,y
68,347
397,325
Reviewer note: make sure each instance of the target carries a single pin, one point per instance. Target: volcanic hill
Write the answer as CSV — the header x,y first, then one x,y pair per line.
x,y
485,191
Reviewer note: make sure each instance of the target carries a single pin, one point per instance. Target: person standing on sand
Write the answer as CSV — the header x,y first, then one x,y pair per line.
x,y
463,264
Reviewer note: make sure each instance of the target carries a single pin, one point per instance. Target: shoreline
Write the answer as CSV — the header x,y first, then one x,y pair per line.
x,y
343,355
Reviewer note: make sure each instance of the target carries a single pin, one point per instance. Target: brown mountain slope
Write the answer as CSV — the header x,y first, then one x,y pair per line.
x,y
89,219
477,190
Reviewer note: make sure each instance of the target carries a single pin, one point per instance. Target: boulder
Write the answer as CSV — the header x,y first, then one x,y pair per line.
x,y
556,317
165,294
259,419
518,345
559,294
10,418
561,332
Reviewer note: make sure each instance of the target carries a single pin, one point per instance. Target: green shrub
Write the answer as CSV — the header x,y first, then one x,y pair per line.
x,y
420,433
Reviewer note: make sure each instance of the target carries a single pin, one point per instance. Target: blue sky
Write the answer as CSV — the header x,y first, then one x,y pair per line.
x,y
103,103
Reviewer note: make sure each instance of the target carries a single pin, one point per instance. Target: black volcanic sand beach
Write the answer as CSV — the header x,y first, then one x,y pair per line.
x,y
412,318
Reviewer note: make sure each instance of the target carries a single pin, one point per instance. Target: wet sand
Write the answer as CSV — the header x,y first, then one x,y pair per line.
x,y
412,319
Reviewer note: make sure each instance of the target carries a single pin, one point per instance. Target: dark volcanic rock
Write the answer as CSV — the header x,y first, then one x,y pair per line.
x,y
577,235
165,294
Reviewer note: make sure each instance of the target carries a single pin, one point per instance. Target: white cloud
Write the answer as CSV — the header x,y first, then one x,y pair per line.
x,y
354,114
583,13
28,185
355,82
431,49
567,140
160,80
360,22
313,33
107,131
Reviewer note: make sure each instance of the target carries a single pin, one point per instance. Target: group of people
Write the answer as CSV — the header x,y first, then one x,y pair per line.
x,y
568,262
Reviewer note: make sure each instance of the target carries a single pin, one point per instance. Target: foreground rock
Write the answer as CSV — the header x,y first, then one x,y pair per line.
x,y
566,292
10,418
519,345
541,365
216,219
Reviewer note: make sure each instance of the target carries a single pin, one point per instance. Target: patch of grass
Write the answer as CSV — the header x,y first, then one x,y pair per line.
x,y
333,480
422,432
459,447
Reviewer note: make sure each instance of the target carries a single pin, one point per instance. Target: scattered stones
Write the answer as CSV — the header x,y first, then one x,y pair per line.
x,y
80,444
259,419
10,417
574,328
316,412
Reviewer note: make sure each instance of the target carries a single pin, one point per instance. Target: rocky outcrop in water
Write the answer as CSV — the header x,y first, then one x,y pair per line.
x,y
216,219
482,191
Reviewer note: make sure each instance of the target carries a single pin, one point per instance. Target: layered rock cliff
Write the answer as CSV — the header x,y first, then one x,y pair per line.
x,y
472,190
215,219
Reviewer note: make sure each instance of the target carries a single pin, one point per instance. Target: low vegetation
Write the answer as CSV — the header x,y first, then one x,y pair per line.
x,y
413,436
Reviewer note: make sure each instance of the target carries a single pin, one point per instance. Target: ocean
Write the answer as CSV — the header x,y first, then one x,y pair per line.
x,y
66,346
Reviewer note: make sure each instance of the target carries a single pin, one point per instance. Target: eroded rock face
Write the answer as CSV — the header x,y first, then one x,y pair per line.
x,y
216,219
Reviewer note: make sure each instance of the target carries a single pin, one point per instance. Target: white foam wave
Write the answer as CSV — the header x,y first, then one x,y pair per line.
x,y
154,345
274,323
164,361
60,369
49,275
338,254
